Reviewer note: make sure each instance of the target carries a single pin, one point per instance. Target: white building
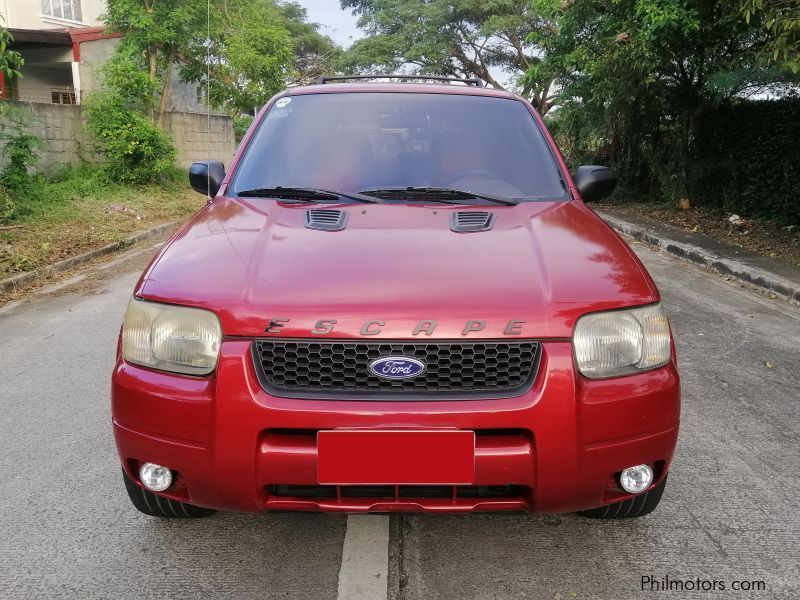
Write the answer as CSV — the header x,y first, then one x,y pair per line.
x,y
52,14
64,42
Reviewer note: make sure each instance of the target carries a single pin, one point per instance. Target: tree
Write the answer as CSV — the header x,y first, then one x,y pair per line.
x,y
10,61
781,18
458,38
257,48
251,49
636,77
315,54
250,54
154,32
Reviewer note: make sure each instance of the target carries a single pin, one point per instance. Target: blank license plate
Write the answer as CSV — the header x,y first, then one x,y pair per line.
x,y
395,457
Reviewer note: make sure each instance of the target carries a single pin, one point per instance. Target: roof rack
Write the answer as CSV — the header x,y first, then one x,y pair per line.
x,y
330,78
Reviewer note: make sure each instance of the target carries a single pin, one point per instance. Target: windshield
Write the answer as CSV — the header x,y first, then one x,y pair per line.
x,y
354,142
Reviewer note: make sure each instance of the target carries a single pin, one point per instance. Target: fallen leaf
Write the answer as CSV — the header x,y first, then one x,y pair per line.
x,y
768,364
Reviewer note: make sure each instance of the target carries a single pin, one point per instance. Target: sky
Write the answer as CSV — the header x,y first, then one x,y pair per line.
x,y
335,22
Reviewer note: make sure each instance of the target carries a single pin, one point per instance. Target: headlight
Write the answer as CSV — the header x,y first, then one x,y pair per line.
x,y
620,342
171,338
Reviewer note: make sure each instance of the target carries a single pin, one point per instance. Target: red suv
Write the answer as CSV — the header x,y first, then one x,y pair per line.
x,y
396,300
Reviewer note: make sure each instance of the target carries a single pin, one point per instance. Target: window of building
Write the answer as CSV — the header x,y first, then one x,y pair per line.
x,y
63,9
201,95
59,97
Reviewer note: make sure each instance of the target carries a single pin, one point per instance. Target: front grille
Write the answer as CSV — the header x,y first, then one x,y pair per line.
x,y
396,493
320,369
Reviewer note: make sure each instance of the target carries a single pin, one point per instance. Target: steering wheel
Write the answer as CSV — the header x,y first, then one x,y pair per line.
x,y
470,174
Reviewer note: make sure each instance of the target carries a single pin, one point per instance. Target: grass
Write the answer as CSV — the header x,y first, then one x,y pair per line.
x,y
80,209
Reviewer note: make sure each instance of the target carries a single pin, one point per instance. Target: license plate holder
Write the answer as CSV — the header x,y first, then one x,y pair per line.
x,y
395,457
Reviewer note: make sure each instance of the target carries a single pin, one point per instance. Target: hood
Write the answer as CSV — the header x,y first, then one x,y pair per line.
x,y
541,266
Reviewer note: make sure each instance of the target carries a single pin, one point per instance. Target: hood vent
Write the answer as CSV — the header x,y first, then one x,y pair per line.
x,y
469,221
326,219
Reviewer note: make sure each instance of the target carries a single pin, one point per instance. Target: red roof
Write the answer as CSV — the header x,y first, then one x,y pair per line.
x,y
89,34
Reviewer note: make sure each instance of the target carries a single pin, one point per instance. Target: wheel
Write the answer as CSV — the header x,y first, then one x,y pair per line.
x,y
157,506
638,506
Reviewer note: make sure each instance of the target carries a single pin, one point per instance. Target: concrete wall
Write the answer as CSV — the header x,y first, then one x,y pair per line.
x,y
93,55
61,130
183,96
28,14
194,141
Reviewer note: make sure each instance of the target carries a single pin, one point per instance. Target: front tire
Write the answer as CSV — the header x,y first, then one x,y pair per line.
x,y
638,506
154,505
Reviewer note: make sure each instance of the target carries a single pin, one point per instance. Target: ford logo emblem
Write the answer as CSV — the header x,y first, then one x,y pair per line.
x,y
397,367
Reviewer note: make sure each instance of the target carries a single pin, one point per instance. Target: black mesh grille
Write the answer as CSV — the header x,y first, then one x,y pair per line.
x,y
333,367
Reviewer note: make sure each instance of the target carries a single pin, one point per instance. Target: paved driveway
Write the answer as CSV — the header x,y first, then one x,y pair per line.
x,y
730,512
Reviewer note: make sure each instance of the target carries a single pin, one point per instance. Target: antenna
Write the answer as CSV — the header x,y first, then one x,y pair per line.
x,y
208,95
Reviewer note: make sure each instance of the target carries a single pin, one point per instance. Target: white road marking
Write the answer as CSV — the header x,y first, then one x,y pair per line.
x,y
365,558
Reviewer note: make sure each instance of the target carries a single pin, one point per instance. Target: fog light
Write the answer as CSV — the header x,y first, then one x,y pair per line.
x,y
636,479
155,477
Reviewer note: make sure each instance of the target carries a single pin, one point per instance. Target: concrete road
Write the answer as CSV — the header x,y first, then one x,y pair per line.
x,y
730,512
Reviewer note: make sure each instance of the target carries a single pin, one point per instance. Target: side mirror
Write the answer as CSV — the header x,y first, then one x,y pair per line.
x,y
594,182
206,177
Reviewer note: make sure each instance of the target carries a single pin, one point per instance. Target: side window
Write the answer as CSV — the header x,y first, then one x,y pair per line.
x,y
63,9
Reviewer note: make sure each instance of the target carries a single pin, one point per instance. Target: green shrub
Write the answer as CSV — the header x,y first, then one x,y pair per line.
x,y
137,151
240,125
745,159
19,148
126,74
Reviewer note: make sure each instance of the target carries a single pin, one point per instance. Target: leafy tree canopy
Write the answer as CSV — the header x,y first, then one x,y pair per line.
x,y
250,54
637,76
155,31
781,18
315,54
459,38
250,48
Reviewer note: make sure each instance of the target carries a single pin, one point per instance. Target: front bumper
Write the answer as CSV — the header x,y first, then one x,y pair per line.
x,y
554,449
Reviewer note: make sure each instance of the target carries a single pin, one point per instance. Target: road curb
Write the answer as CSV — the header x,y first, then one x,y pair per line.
x,y
753,275
29,277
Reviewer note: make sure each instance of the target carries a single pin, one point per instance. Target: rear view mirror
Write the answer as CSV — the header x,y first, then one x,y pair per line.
x,y
206,177
595,182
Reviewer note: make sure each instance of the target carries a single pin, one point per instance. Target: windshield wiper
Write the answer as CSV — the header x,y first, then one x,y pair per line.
x,y
304,194
436,194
